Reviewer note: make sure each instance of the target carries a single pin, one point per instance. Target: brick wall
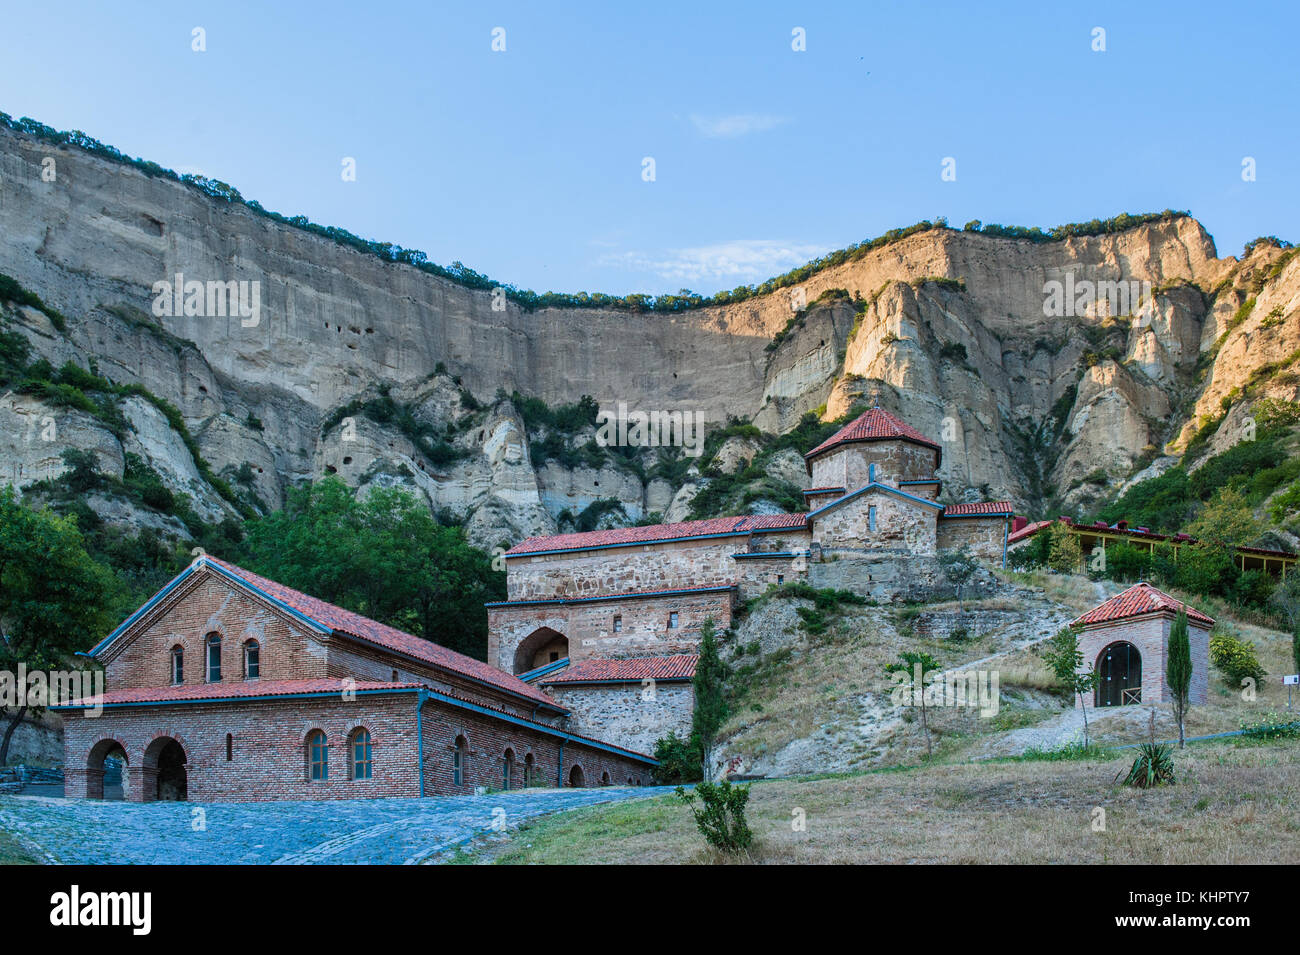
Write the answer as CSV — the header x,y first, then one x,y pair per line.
x,y
1150,635
209,604
268,749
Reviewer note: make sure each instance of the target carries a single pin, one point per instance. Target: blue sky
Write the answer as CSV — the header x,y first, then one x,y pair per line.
x,y
527,164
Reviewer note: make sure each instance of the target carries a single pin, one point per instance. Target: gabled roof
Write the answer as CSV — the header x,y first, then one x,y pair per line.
x,y
621,595
1137,601
212,692
978,509
347,624
874,486
876,425
659,533
680,666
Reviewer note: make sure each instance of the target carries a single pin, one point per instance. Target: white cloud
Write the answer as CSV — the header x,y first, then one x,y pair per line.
x,y
746,260
729,127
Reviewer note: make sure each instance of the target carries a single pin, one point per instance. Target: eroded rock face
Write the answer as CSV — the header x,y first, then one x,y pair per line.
x,y
952,330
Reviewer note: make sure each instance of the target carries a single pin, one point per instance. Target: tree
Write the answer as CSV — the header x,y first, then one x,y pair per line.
x,y
710,702
1178,671
54,599
382,555
1063,656
1063,552
913,668
1287,598
1226,518
959,567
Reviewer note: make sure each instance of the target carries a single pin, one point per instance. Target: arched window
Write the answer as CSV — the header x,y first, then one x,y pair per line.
x,y
317,756
214,657
458,762
361,762
252,660
178,665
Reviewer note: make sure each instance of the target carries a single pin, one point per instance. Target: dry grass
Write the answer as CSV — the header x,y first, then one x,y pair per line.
x,y
1234,803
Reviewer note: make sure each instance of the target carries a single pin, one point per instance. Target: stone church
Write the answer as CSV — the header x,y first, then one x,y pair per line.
x,y
228,686
607,622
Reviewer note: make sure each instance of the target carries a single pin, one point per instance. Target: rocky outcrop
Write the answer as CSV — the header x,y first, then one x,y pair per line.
x,y
953,330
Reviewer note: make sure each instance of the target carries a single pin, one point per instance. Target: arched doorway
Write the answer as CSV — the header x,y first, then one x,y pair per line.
x,y
1119,675
539,648
106,774
575,777
604,779
164,775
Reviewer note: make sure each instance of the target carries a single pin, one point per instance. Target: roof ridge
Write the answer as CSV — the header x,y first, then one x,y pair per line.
x,y
363,628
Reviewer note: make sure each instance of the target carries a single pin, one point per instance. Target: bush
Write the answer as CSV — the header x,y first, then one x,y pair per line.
x,y
721,816
1271,726
1234,658
679,762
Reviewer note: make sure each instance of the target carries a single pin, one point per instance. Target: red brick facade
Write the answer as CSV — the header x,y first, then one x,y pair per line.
x,y
250,738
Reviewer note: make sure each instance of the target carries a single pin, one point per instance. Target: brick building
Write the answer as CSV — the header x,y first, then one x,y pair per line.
x,y
605,611
229,686
1126,639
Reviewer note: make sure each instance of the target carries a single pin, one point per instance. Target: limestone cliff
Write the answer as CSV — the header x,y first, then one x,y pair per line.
x,y
947,327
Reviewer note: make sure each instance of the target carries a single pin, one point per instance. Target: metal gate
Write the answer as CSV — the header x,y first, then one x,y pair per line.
x,y
1119,669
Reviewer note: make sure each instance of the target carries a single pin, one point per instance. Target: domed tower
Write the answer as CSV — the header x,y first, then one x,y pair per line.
x,y
877,447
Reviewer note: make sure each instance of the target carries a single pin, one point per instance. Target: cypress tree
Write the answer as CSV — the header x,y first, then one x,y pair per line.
x,y
710,703
1178,672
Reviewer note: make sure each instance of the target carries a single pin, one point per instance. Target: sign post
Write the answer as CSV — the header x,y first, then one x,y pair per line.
x,y
1290,681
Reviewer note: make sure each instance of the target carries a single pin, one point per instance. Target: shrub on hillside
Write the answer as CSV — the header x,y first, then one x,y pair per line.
x,y
1234,658
721,814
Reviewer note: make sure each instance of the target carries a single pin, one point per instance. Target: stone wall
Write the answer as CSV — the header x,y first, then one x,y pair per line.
x,y
903,527
984,536
879,577
589,626
849,465
612,570
622,714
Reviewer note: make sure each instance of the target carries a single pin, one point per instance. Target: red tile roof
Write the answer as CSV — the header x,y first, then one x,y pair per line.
x,y
875,425
1138,600
1029,530
680,666
233,691
980,507
353,624
821,490
623,536
618,595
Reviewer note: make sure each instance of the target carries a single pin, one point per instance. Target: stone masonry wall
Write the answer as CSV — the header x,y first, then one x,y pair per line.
x,y
901,526
983,536
849,466
665,566
621,714
589,627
